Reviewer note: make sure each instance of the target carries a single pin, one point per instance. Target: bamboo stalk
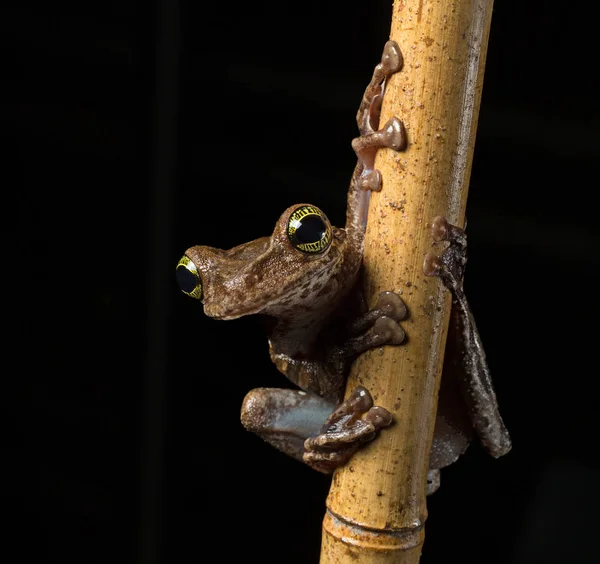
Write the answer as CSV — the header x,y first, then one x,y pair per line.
x,y
376,508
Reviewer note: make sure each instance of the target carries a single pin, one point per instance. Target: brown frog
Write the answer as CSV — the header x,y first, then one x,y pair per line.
x,y
303,279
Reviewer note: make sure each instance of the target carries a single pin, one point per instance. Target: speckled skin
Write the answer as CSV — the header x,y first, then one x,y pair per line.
x,y
467,400
315,331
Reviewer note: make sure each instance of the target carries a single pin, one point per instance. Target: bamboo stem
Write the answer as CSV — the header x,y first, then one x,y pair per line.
x,y
376,508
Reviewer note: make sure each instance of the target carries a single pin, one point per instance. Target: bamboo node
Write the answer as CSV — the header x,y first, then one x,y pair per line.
x,y
387,539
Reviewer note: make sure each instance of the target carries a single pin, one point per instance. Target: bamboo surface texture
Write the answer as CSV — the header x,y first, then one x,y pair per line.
x,y
376,508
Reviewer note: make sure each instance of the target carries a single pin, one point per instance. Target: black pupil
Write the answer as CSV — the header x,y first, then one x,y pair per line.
x,y
311,229
187,280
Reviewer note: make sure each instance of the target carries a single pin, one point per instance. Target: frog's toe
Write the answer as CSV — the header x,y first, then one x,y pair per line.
x,y
345,431
371,181
375,328
393,134
449,265
327,462
392,305
431,265
359,401
379,416
387,331
443,230
391,59
439,228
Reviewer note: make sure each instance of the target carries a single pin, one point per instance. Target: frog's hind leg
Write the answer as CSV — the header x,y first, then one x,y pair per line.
x,y
310,428
285,418
468,356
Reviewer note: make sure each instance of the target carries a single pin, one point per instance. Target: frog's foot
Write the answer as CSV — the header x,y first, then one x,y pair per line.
x,y
392,135
310,428
365,178
450,264
378,327
388,304
354,422
369,110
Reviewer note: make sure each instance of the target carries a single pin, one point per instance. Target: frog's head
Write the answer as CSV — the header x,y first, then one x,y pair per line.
x,y
294,267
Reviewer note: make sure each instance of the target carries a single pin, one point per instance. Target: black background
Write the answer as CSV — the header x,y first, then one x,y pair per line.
x,y
133,132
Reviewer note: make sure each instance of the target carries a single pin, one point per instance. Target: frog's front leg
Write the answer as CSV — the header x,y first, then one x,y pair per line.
x,y
345,430
468,361
375,328
365,178
314,428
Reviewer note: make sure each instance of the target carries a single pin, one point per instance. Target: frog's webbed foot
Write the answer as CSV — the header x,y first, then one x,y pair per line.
x,y
388,305
465,354
354,422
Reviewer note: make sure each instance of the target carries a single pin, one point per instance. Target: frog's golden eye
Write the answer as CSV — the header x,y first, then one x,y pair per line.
x,y
188,278
309,230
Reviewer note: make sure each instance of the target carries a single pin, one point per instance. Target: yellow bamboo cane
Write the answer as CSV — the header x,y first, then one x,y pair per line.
x,y
376,508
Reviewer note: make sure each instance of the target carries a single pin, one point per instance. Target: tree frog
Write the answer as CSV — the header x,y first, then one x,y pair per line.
x,y
304,280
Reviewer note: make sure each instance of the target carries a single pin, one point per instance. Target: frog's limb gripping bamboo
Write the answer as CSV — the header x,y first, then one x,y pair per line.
x,y
354,422
367,117
311,429
390,136
475,382
389,305
370,182
365,178
285,418
375,328
384,331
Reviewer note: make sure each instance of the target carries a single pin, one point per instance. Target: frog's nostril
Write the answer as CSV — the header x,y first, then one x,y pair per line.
x,y
188,278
